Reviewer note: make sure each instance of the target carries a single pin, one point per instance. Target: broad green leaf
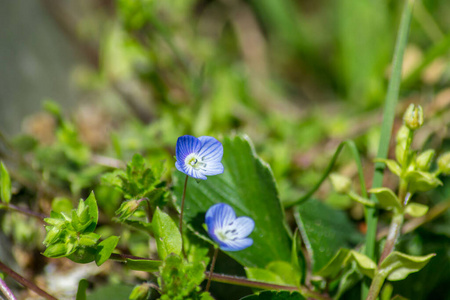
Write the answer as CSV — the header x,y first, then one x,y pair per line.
x,y
82,288
335,265
105,249
247,184
263,275
287,272
365,265
146,265
422,181
93,211
83,255
324,230
391,164
398,266
416,210
273,295
386,198
5,184
167,235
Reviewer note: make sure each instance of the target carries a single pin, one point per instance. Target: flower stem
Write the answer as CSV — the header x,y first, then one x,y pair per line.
x,y
25,282
181,212
376,285
394,232
211,270
6,291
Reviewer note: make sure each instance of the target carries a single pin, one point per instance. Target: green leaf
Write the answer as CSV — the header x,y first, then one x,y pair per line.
x,y
325,230
83,255
398,266
298,265
416,210
287,272
57,250
391,164
422,181
335,265
247,184
387,199
365,265
273,295
91,202
146,265
5,184
88,240
140,225
264,275
105,249
82,288
167,235
140,292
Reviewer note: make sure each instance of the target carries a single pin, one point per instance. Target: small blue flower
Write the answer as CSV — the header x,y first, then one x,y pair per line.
x,y
199,157
227,230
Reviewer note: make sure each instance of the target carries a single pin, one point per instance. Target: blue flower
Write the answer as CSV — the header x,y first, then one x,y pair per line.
x,y
199,157
225,229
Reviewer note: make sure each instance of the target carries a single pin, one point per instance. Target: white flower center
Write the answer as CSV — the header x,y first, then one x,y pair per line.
x,y
194,161
227,233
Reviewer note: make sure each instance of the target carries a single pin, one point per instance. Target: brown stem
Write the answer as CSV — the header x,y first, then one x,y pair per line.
x,y
25,282
26,211
211,270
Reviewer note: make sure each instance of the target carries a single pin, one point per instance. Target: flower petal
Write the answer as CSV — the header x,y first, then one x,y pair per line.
x,y
211,149
197,174
186,145
236,245
244,226
213,168
218,216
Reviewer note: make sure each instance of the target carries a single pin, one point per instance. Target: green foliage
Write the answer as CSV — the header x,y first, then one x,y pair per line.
x,y
167,235
82,288
387,199
140,292
180,279
398,266
105,249
248,186
272,295
5,185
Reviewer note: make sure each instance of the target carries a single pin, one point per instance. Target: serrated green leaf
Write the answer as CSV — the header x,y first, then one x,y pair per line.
x,y
416,210
5,184
247,184
167,235
105,249
325,230
398,266
392,165
387,199
146,265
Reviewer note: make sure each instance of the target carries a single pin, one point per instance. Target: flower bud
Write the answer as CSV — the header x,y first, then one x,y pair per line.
x,y
413,117
140,292
444,163
127,208
341,184
423,161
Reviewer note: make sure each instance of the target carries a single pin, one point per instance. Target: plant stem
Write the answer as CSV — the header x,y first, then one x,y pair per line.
x,y
394,232
211,270
386,127
6,291
375,287
25,211
25,282
181,212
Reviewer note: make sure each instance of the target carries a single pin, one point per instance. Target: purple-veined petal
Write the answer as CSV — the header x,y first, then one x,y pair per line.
x,y
186,145
213,168
236,245
244,226
218,216
190,171
211,149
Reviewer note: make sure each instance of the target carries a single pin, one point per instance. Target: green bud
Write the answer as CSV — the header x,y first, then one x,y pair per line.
x,y
413,117
423,161
140,292
444,163
341,184
127,208
401,151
